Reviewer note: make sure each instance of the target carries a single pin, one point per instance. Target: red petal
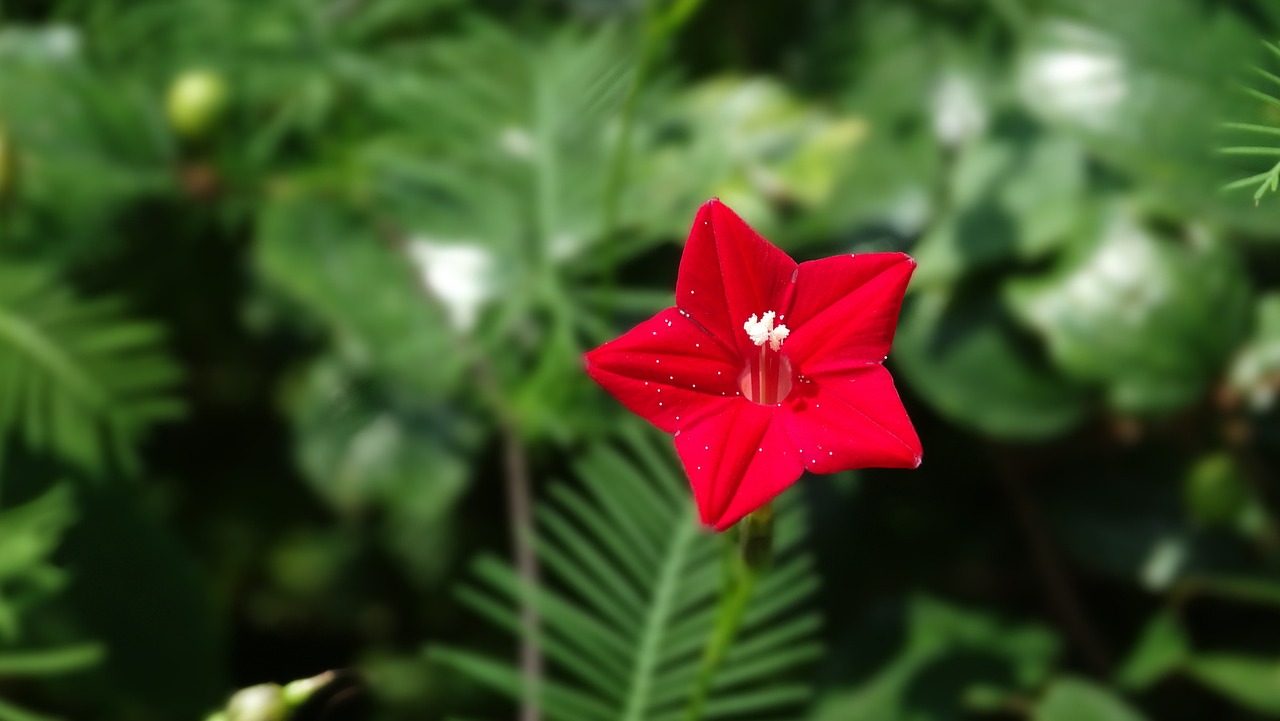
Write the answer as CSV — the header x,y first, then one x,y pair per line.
x,y
737,460
851,420
845,311
667,370
728,272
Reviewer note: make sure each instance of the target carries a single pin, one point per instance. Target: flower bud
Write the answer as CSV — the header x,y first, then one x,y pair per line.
x,y
299,692
196,102
1214,492
264,702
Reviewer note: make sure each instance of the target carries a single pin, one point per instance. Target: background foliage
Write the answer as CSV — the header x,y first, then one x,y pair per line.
x,y
293,293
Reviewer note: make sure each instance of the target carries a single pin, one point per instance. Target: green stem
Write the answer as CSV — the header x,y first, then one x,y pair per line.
x,y
733,606
655,28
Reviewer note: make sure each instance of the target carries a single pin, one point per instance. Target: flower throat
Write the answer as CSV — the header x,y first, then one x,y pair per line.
x,y
766,379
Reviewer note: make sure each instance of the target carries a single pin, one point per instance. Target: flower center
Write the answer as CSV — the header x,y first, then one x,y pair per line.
x,y
766,379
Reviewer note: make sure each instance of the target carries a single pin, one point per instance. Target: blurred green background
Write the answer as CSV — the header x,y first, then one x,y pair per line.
x,y
293,296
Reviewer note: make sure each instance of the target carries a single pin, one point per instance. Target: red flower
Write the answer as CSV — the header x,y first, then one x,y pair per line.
x,y
766,368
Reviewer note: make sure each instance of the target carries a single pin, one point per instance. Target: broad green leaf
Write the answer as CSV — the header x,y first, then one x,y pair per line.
x,y
628,601
1015,196
1150,317
1160,649
967,359
1071,699
1146,85
950,656
1251,682
368,449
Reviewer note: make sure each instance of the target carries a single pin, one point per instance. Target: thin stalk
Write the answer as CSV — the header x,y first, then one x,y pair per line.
x,y
1061,594
621,159
655,29
733,606
517,482
520,513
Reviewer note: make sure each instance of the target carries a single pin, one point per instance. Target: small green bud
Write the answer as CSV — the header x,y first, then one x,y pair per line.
x,y
264,702
1215,492
196,102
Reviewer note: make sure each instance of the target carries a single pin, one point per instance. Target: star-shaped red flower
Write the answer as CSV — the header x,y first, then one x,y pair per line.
x,y
766,368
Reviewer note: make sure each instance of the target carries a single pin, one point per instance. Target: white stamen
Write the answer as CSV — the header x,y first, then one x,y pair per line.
x,y
761,329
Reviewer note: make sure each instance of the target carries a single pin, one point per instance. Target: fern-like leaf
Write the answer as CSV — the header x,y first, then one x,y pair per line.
x,y
31,533
630,602
1267,180
77,378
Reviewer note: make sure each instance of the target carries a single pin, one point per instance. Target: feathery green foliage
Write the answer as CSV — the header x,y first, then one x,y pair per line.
x,y
1269,95
629,602
78,379
27,577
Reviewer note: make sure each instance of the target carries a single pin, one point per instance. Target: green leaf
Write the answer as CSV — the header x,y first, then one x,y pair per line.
x,y
1152,318
1243,589
1145,84
137,592
1251,682
87,143
950,656
77,378
1257,363
1071,699
368,448
628,601
1161,648
9,712
967,359
331,258
51,661
1016,195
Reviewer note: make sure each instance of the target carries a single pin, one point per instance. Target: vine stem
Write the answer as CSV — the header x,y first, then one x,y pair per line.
x,y
741,581
655,28
1048,564
520,512
516,480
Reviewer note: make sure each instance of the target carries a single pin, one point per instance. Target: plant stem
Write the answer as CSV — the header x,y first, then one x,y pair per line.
x,y
1053,575
520,510
655,28
517,481
741,581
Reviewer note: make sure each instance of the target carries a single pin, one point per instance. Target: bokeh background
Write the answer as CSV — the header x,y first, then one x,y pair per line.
x,y
293,295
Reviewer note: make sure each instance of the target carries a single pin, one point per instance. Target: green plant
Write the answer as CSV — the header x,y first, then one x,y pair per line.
x,y
630,601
